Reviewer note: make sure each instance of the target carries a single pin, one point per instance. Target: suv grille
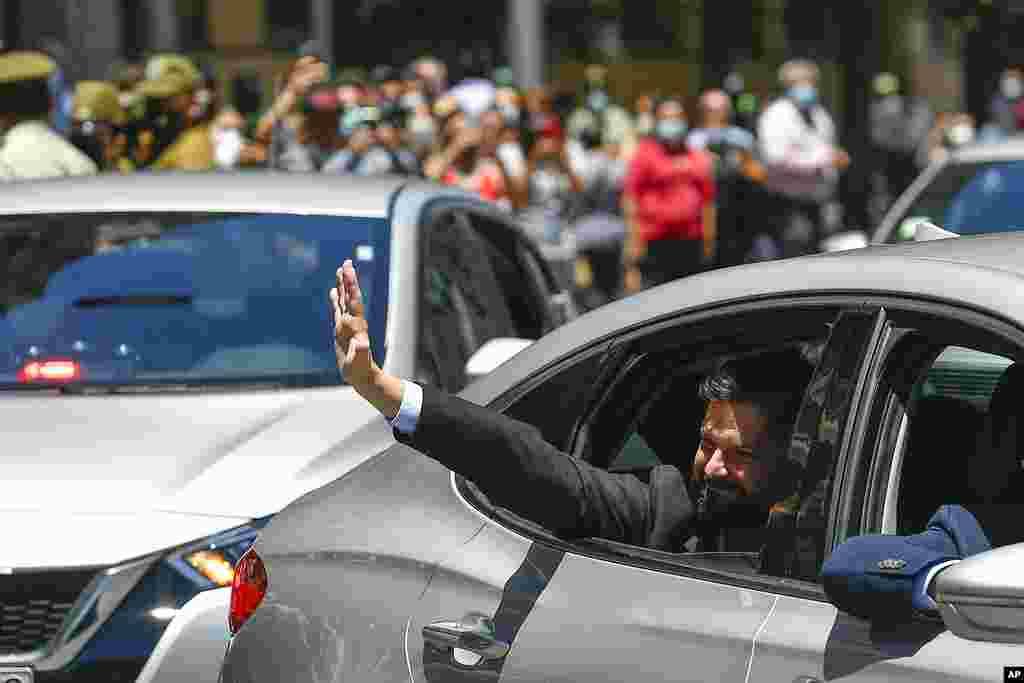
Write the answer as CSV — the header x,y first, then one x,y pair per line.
x,y
33,606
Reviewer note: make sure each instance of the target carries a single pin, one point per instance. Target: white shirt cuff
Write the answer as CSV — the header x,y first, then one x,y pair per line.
x,y
409,412
931,575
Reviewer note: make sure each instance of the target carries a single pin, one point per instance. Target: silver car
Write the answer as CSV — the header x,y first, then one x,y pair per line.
x,y
403,571
975,189
168,383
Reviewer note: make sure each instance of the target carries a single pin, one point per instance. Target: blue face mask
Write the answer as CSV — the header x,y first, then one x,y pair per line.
x,y
804,95
671,131
597,100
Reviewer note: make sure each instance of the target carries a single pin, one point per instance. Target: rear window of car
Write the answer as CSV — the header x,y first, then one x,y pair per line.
x,y
970,198
174,298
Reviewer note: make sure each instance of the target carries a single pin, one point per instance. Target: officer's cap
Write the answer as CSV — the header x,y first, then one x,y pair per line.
x,y
25,66
168,75
97,101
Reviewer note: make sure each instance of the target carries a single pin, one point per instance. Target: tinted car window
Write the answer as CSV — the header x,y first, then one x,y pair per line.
x,y
970,198
131,299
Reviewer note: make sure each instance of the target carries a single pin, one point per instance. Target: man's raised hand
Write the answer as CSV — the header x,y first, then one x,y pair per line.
x,y
351,336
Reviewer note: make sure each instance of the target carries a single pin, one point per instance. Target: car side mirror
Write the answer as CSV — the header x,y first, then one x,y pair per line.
x,y
926,231
492,354
982,597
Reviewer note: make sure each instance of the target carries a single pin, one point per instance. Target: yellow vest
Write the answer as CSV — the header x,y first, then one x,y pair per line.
x,y
192,151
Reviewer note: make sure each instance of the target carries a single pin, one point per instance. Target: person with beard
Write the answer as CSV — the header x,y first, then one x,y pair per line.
x,y
97,122
668,203
30,148
797,140
182,143
738,473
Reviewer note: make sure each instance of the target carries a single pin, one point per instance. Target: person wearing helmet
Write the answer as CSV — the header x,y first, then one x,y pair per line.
x,y
97,125
30,148
182,143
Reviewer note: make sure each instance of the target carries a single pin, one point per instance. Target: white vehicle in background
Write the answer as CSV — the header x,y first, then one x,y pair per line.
x,y
166,345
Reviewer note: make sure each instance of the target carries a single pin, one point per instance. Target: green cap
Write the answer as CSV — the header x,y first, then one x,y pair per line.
x,y
25,66
97,101
168,75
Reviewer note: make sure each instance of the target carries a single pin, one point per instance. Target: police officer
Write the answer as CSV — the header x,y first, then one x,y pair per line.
x,y
97,125
30,148
181,143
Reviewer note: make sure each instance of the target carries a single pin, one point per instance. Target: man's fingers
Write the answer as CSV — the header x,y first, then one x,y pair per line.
x,y
354,297
340,286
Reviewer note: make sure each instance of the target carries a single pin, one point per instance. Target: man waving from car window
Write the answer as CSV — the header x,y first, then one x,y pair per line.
x,y
738,469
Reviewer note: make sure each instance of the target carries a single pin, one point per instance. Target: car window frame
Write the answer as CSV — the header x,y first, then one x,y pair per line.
x,y
483,218
612,347
527,257
862,510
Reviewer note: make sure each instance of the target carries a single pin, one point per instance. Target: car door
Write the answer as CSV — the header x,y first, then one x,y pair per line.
x,y
517,603
926,396
480,280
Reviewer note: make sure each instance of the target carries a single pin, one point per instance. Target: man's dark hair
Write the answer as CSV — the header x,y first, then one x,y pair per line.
x,y
774,382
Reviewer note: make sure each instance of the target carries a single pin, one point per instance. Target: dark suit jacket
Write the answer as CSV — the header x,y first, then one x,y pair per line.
x,y
880,576
517,469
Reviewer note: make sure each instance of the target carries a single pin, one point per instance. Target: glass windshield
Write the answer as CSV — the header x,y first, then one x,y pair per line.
x,y
180,298
970,199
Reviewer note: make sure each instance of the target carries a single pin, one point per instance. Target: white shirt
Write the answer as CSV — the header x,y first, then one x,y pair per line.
x,y
31,149
797,156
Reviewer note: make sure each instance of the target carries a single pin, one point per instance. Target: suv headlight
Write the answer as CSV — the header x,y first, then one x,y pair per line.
x,y
210,563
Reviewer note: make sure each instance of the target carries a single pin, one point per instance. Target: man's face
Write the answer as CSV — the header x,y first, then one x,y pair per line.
x,y
731,433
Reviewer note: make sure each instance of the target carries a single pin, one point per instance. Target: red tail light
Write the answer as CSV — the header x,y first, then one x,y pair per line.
x,y
53,370
247,589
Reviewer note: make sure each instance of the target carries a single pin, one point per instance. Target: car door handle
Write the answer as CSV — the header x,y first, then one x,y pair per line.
x,y
471,639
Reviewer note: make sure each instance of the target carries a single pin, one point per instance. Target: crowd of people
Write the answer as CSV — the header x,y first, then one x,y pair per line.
x,y
643,195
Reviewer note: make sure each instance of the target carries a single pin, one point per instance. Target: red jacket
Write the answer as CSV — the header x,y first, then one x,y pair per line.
x,y
670,200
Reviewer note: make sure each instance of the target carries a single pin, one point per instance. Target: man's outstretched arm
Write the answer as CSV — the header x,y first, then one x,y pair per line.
x,y
507,459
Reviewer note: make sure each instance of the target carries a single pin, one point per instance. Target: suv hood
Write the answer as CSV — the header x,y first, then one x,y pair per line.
x,y
161,457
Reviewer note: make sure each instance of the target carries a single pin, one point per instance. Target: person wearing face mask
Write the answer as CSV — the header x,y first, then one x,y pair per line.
x,y
668,202
97,122
899,125
185,143
615,122
1006,108
29,148
797,141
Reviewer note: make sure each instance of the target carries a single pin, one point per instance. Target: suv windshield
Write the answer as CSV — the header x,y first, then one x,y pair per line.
x,y
175,298
969,198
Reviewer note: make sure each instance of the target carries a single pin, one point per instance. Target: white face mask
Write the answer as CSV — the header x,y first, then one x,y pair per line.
x,y
227,146
1012,87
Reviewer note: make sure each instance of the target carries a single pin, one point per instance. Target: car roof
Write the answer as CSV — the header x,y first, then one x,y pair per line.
x,y
251,191
982,272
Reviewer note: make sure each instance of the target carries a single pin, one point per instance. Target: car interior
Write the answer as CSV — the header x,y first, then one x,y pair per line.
x,y
965,451
652,415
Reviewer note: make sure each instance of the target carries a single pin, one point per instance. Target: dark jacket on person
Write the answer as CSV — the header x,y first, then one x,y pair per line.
x,y
512,464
